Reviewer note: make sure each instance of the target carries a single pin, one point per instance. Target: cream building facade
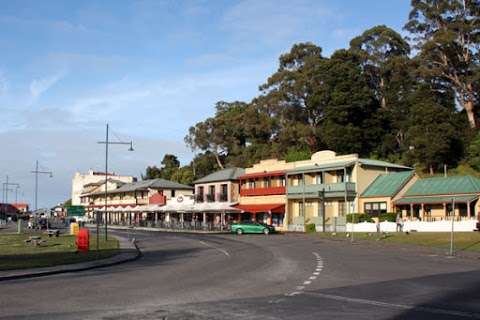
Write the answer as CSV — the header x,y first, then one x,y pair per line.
x,y
82,183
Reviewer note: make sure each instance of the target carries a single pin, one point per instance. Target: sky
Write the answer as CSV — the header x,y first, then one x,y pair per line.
x,y
151,69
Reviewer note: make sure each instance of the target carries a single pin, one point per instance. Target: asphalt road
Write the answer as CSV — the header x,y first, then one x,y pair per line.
x,y
254,277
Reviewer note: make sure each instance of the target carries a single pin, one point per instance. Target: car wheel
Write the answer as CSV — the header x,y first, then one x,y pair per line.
x,y
266,231
239,231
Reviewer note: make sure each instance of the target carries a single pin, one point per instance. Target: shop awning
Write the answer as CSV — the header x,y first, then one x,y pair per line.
x,y
433,200
256,208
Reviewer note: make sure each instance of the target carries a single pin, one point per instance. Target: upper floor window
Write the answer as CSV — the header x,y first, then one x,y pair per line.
x,y
173,193
266,182
211,189
318,179
282,181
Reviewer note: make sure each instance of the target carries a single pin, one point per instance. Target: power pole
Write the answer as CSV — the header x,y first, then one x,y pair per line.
x,y
37,172
6,188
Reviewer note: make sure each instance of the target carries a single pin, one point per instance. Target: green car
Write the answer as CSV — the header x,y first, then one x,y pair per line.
x,y
252,227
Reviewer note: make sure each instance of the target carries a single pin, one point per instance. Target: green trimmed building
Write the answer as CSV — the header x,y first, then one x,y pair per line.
x,y
431,199
380,195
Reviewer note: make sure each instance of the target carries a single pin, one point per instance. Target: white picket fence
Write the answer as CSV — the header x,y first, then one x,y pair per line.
x,y
420,226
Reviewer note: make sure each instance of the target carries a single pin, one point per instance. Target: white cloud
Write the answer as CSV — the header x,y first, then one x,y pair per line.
x,y
272,21
3,85
66,151
39,86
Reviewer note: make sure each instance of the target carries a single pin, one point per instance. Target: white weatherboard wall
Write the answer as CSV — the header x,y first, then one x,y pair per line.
x,y
420,226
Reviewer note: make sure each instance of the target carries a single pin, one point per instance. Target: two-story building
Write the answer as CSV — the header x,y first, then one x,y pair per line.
x,y
263,192
324,189
121,197
91,180
216,195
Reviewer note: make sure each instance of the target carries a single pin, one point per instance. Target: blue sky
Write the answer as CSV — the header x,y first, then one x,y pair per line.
x,y
150,68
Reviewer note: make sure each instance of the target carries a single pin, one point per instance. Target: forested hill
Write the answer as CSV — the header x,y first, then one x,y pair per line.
x,y
410,100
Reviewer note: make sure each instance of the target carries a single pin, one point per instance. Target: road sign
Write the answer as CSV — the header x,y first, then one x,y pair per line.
x,y
75,211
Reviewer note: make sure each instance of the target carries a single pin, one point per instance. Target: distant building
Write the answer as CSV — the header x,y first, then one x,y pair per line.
x,y
129,195
82,183
21,207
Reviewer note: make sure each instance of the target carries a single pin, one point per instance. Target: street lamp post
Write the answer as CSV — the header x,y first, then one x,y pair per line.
x,y
37,172
107,143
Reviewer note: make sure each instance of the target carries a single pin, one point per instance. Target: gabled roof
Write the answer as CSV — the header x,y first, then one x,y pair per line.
x,y
388,185
228,174
145,185
444,186
99,183
380,163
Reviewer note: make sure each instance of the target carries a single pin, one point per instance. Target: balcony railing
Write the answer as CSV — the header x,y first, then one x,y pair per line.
x,y
262,191
222,197
331,189
199,198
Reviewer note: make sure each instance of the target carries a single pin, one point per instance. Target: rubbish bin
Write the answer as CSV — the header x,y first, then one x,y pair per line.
x,y
83,240
74,228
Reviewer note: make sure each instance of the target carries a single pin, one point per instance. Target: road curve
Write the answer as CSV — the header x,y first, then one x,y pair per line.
x,y
188,276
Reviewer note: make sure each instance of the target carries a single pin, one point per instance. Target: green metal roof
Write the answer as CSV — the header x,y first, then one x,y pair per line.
x,y
227,174
431,200
380,163
387,185
444,186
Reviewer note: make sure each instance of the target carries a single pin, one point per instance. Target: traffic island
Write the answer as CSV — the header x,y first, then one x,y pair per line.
x,y
20,258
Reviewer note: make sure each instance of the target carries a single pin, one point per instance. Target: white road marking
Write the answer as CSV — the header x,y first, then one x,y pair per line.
x,y
225,252
307,282
312,278
300,287
316,273
398,306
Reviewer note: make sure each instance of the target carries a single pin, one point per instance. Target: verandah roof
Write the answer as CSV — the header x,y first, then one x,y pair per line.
x,y
436,200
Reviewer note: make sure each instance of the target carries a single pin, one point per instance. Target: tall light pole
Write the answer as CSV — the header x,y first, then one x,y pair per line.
x,y
37,172
6,188
107,143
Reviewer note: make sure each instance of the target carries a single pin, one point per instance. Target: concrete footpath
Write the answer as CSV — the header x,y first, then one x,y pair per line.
x,y
133,229
128,252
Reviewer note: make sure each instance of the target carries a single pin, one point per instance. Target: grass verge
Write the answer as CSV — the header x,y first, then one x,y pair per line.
x,y
15,253
463,241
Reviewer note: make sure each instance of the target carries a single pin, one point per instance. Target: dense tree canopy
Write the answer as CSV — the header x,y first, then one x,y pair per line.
x,y
378,98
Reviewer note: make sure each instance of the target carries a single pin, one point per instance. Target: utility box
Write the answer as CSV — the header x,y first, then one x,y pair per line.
x,y
83,240
74,228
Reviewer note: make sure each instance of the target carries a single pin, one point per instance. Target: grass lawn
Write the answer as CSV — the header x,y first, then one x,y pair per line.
x,y
463,241
16,254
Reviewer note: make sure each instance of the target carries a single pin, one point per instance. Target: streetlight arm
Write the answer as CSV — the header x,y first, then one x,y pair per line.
x,y
115,142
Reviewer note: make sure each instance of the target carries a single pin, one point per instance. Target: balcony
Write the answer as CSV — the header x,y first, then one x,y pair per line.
x,y
262,191
210,197
332,190
199,198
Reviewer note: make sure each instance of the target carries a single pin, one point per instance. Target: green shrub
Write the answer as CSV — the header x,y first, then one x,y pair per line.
x,y
310,227
389,216
359,217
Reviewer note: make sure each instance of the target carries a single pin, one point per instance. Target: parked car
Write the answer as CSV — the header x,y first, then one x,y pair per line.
x,y
252,227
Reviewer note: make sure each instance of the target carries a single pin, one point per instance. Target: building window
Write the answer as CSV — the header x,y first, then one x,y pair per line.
x,y
318,179
282,181
375,208
173,193
300,209
341,208
266,183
